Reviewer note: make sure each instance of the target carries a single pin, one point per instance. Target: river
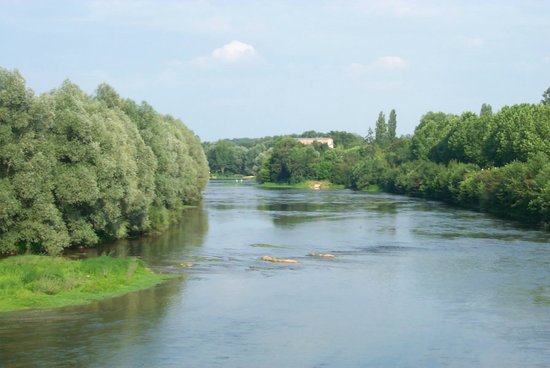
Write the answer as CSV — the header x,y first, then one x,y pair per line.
x,y
414,283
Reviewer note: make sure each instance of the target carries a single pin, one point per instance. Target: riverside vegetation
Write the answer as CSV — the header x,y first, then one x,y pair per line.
x,y
77,169
493,162
47,282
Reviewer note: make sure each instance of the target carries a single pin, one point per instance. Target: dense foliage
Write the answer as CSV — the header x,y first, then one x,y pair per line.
x,y
497,163
245,156
77,169
291,162
494,162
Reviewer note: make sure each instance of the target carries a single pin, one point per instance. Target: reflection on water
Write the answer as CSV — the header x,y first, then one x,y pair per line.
x,y
288,208
77,336
413,283
179,240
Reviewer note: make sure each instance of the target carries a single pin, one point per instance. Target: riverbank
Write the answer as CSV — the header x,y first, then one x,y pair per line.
x,y
308,184
231,177
38,282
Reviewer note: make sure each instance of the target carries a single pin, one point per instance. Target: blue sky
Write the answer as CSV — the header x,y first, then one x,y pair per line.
x,y
254,68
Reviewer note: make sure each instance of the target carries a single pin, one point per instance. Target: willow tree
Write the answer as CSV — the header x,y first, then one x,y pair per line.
x,y
29,219
77,169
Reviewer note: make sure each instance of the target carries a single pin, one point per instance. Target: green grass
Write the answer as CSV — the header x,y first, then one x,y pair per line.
x,y
218,176
35,282
309,184
372,189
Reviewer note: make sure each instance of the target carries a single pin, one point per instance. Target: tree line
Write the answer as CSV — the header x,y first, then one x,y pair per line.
x,y
493,162
496,163
77,169
246,156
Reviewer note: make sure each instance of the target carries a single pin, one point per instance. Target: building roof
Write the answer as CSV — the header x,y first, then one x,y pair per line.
x,y
328,141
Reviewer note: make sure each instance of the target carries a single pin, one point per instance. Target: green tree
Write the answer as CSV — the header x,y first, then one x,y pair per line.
x,y
486,110
371,171
77,169
29,219
345,139
546,97
517,133
369,138
433,127
223,155
380,131
290,162
254,159
279,164
392,126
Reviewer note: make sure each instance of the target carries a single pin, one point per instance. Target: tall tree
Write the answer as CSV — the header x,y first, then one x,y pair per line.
x,y
392,126
546,97
370,136
486,110
223,155
380,132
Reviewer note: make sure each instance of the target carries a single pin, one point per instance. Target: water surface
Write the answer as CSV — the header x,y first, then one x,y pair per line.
x,y
414,283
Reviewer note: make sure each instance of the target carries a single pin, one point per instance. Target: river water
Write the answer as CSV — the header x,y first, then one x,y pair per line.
x,y
414,284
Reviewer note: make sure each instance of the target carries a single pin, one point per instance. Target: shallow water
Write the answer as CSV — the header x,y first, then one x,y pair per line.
x,y
414,283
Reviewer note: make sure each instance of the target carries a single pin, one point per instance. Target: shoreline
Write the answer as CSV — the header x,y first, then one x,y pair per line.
x,y
44,282
308,184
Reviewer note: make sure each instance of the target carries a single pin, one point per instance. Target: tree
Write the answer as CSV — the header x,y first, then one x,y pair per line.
x,y
370,171
345,139
292,162
433,127
381,129
486,110
546,97
254,159
369,138
518,132
392,126
223,155
77,169
279,164
465,140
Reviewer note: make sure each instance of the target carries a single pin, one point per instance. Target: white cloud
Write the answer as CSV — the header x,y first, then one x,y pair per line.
x,y
386,64
231,53
235,51
546,59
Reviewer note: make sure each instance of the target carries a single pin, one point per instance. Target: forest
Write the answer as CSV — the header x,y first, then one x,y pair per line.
x,y
77,169
492,162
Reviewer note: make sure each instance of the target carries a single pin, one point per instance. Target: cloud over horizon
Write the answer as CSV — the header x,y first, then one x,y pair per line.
x,y
233,52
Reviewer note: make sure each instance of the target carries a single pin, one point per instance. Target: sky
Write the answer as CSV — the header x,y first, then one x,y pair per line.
x,y
246,68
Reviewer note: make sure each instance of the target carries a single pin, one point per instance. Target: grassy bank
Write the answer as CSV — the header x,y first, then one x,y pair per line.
x,y
230,177
372,189
31,282
309,184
